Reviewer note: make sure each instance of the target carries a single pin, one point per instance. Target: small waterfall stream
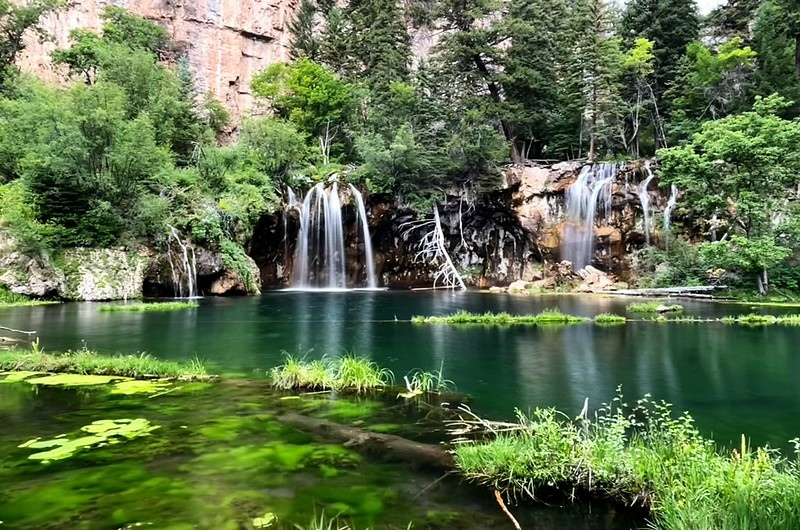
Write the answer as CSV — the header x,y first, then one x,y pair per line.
x,y
644,199
591,190
184,272
673,199
319,258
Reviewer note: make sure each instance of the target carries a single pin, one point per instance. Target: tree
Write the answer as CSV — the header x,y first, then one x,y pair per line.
x,y
381,45
15,22
305,42
776,50
791,11
670,25
317,101
599,60
710,84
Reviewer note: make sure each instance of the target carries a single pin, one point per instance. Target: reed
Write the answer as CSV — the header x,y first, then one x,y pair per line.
x,y
641,455
350,373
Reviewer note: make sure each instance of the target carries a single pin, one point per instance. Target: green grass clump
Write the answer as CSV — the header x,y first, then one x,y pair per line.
x,y
548,316
754,319
345,373
653,307
154,306
92,363
9,299
641,455
609,318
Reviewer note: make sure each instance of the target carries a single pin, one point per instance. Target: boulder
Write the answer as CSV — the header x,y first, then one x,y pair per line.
x,y
594,280
517,286
26,274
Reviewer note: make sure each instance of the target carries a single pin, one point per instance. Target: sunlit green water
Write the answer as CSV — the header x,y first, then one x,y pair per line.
x,y
221,458
733,379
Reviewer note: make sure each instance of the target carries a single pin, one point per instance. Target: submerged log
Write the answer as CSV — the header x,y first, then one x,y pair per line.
x,y
388,445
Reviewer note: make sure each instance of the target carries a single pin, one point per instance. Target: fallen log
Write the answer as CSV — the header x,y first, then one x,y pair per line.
x,y
667,291
387,445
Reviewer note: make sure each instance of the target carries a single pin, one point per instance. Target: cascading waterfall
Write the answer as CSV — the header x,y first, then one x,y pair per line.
x,y
372,283
592,189
644,199
673,199
319,258
184,274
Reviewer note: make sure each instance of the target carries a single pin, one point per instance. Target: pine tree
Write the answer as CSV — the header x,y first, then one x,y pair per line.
x,y
671,25
305,42
598,60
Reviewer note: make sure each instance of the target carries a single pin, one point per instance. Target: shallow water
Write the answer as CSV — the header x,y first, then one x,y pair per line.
x,y
221,458
734,380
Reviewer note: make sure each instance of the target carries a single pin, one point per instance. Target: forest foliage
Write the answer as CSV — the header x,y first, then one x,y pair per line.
x,y
411,100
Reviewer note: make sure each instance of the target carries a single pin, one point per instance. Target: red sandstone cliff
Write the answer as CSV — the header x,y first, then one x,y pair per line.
x,y
226,41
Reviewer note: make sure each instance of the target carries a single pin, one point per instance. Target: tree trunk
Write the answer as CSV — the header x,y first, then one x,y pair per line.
x,y
386,445
797,54
763,282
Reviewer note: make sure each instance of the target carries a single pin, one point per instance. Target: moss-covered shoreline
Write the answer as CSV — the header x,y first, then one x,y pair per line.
x,y
92,363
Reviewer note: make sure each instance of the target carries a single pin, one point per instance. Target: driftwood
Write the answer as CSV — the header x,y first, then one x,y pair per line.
x,y
388,445
668,291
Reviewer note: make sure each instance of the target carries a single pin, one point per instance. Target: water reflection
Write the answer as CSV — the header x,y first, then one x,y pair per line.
x,y
733,379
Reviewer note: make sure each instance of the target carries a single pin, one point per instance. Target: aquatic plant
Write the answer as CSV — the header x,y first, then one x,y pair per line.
x,y
98,434
9,299
350,373
754,319
419,382
653,307
89,362
548,316
609,318
150,307
640,455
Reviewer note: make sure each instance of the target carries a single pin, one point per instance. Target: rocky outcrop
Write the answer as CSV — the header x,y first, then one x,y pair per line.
x,y
225,41
26,274
102,274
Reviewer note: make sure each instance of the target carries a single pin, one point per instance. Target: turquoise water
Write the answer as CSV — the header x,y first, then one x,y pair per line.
x,y
734,380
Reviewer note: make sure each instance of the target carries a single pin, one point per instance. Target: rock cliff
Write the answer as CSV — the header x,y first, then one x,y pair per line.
x,y
226,41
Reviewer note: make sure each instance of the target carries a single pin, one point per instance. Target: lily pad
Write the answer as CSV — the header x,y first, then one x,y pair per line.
x,y
15,377
266,521
139,387
76,380
99,434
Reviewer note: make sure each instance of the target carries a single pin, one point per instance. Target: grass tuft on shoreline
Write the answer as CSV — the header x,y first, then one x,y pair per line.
x,y
548,316
92,363
348,373
150,307
641,455
653,307
9,299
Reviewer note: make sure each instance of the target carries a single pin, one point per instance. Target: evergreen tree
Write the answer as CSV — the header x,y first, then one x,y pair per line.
x,y
381,44
670,25
305,42
772,42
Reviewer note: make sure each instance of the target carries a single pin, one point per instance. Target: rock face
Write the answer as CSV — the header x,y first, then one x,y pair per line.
x,y
116,274
102,274
27,275
225,41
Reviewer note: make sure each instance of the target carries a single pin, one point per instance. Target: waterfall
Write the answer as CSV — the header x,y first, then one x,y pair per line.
x,y
184,272
591,190
673,199
644,199
369,259
319,258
